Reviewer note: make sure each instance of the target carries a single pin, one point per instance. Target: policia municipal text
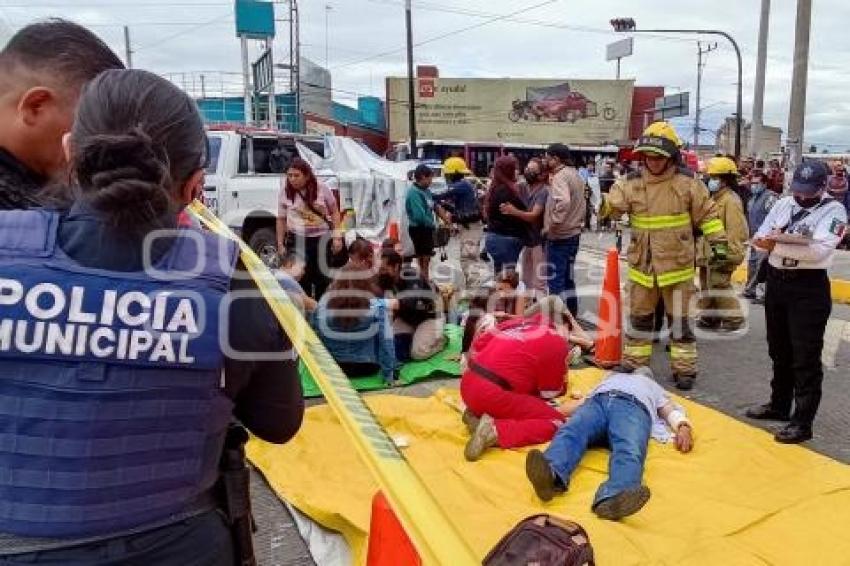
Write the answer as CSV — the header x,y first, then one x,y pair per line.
x,y
111,452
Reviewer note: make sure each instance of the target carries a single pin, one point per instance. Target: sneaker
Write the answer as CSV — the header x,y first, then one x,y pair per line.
x,y
540,474
470,420
483,438
623,504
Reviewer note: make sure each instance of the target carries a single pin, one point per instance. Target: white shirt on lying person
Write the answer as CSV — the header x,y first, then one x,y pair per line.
x,y
824,223
664,412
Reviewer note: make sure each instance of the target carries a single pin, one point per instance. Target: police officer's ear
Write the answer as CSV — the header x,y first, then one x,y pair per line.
x,y
192,188
40,104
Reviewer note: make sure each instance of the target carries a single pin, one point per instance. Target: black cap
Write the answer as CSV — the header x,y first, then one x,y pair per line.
x,y
810,177
422,171
560,151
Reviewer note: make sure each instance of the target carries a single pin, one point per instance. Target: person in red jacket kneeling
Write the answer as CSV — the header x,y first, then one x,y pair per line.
x,y
513,370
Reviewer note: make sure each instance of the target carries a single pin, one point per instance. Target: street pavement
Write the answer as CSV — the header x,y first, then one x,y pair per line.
x,y
734,374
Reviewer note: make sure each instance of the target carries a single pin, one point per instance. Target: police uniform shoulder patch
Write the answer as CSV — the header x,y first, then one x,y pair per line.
x,y
686,172
837,227
633,175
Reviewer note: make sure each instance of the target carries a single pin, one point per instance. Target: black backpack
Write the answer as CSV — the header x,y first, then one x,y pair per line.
x,y
417,298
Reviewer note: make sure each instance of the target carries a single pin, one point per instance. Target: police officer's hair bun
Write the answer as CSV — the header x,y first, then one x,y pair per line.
x,y
137,139
127,177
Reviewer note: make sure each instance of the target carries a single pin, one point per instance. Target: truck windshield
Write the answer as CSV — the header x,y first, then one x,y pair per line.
x,y
215,150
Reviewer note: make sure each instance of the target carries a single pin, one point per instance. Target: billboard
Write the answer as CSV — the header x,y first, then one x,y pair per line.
x,y
537,111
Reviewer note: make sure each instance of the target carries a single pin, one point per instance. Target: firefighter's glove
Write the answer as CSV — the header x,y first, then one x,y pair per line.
x,y
719,253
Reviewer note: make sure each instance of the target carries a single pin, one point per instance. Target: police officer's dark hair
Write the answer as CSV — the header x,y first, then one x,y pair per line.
x,y
454,177
61,49
136,139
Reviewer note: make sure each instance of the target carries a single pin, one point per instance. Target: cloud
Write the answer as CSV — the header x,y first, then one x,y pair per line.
x,y
570,44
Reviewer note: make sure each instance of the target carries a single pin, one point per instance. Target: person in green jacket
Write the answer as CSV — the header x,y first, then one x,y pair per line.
x,y
419,207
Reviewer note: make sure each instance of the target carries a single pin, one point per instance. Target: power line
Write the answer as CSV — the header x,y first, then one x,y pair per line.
x,y
159,42
445,35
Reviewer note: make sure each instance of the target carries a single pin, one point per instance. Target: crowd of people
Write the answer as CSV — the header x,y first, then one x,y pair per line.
x,y
97,164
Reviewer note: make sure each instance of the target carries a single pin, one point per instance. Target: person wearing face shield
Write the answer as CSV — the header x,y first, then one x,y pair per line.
x,y
718,303
666,205
800,233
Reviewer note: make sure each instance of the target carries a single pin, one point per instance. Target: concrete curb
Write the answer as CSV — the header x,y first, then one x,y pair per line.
x,y
840,287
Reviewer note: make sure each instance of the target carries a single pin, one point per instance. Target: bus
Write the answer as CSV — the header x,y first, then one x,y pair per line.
x,y
481,156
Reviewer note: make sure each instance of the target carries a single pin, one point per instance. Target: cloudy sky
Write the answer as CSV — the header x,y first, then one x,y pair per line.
x,y
494,38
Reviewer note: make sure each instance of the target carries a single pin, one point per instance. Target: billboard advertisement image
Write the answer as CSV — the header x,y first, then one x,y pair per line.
x,y
513,110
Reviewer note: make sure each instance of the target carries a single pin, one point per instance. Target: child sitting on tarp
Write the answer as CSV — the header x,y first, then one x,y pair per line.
x,y
622,412
513,370
355,324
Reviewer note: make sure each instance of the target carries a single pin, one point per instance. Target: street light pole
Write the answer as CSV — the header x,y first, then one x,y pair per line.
x,y
628,25
411,85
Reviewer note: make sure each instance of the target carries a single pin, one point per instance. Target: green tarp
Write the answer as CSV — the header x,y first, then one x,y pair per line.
x,y
436,366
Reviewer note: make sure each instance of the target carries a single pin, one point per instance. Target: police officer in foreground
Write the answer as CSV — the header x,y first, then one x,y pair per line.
x,y
666,205
800,233
122,357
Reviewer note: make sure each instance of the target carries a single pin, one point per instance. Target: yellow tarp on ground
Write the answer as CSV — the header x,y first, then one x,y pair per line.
x,y
739,498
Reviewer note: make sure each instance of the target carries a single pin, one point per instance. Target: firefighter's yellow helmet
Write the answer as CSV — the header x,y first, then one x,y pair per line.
x,y
721,166
659,138
455,165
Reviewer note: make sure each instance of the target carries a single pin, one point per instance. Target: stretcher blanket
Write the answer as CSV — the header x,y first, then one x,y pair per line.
x,y
440,365
738,499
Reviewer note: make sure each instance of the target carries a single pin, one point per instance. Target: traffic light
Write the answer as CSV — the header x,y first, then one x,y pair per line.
x,y
623,24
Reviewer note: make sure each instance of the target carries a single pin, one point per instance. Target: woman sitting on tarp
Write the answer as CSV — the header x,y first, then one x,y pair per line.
x,y
513,371
355,324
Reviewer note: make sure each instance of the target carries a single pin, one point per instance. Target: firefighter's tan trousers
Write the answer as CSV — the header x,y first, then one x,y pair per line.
x,y
718,301
678,305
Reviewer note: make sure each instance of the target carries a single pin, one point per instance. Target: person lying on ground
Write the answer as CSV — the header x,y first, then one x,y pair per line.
x,y
418,324
513,370
355,324
622,412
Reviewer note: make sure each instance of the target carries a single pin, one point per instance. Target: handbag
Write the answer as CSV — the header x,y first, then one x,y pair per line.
x,y
543,540
335,259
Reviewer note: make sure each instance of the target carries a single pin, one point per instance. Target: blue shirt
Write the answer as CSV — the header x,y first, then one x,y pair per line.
x,y
369,340
465,200
651,395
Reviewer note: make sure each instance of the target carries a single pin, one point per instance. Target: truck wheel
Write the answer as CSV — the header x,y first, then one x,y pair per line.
x,y
264,244
514,116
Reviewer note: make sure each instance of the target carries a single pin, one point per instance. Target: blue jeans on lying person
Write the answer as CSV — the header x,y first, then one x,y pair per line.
x,y
503,249
613,419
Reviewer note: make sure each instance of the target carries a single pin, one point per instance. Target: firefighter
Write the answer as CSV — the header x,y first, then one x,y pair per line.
x,y
666,205
720,306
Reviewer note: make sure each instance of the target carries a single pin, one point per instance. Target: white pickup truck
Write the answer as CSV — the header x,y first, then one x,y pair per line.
x,y
243,180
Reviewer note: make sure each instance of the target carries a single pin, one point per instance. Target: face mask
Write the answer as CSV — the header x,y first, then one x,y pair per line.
x,y
714,185
806,202
757,189
531,177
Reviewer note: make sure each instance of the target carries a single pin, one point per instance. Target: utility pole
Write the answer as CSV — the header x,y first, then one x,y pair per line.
x,y
246,81
203,86
127,51
700,66
328,9
758,95
411,84
799,80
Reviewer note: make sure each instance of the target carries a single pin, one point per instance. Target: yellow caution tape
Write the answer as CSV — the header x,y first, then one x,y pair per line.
x,y
435,536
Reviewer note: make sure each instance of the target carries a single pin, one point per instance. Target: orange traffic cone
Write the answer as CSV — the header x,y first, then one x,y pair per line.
x,y
394,231
609,335
389,545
